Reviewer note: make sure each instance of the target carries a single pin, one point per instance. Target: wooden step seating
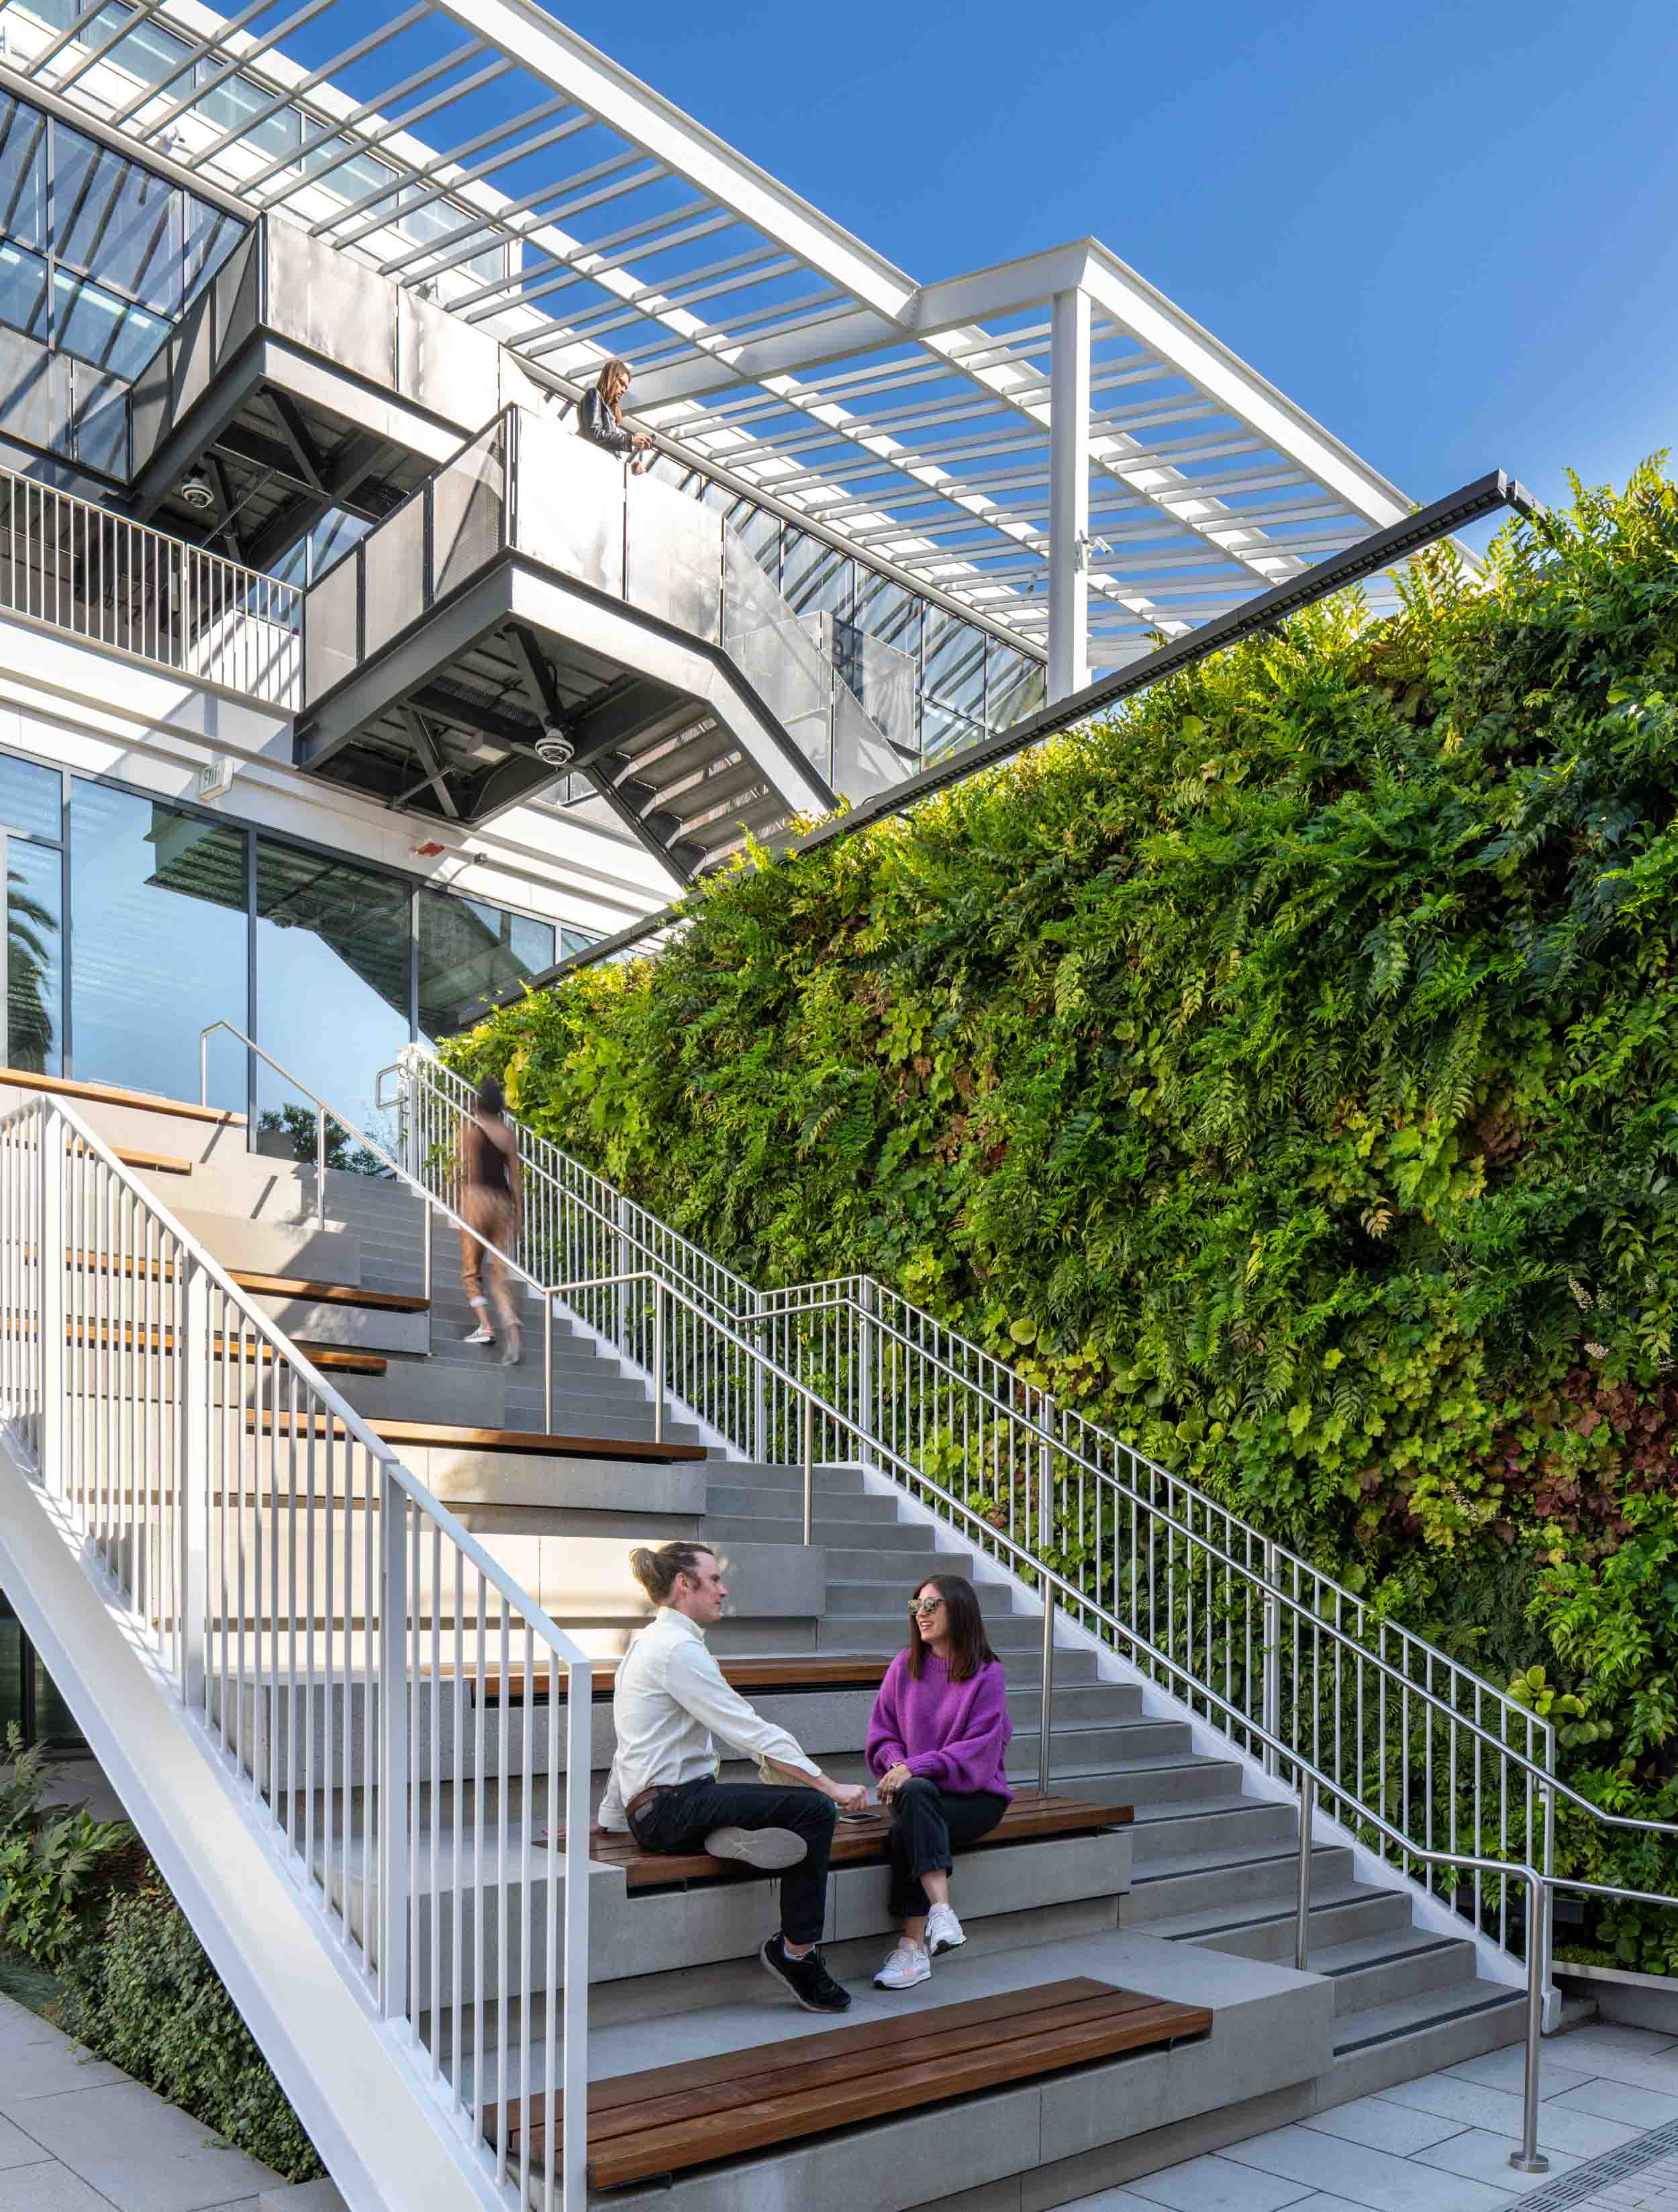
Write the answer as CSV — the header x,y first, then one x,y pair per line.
x,y
257,1284
534,1441
143,1162
1030,1819
672,2118
110,1094
252,1349
799,1671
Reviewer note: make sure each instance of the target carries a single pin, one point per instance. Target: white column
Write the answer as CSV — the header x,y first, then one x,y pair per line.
x,y
1069,495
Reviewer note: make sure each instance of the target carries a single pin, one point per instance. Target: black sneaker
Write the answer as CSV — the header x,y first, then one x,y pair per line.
x,y
807,1977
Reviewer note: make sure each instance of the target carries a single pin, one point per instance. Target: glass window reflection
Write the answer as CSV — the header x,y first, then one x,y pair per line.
x,y
468,950
158,903
32,798
332,987
35,957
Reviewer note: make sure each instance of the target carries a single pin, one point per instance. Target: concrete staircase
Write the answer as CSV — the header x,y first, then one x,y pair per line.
x,y
1193,1901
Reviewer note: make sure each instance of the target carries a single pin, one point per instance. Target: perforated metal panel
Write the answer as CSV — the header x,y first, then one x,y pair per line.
x,y
329,630
394,555
468,499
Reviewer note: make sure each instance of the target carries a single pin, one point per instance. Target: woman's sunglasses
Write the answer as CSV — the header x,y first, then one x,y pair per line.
x,y
925,1604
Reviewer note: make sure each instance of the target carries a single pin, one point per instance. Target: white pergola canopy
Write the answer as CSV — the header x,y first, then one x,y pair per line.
x,y
1051,443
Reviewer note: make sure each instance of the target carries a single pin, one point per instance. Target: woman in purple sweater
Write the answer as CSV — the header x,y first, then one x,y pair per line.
x,y
936,1739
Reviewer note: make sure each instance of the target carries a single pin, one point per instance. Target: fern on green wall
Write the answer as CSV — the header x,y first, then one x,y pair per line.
x,y
1283,1072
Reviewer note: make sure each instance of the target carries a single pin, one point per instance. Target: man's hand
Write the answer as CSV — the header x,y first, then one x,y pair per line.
x,y
848,1796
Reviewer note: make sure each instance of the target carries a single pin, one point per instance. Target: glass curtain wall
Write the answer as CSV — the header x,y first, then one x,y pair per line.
x,y
132,925
32,840
158,943
99,257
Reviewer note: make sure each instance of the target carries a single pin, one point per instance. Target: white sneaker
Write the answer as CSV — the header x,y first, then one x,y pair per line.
x,y
771,1849
906,1968
944,1930
482,1334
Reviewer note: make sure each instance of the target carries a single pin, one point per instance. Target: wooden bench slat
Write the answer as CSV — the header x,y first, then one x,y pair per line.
x,y
446,1434
672,2118
1030,1818
111,1094
781,2081
326,1294
755,2126
618,2090
842,1672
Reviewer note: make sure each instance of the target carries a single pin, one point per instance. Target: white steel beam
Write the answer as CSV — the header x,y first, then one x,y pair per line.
x,y
1069,497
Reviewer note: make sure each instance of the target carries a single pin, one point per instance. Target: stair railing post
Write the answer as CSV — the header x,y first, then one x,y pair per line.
x,y
548,1361
1270,1718
1046,1707
621,1271
51,1262
760,1423
1302,1917
394,1816
1530,2159
194,1371
660,1304
320,1167
1046,1421
578,1760
865,1370
809,1467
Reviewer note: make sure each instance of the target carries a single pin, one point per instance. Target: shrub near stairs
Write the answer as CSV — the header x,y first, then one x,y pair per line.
x,y
1281,1070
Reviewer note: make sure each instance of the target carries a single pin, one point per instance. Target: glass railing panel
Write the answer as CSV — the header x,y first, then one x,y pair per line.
x,y
672,557
864,760
570,506
764,639
469,501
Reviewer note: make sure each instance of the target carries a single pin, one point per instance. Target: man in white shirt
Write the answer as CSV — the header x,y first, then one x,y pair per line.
x,y
668,1699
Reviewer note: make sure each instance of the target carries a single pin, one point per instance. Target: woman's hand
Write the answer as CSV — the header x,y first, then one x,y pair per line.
x,y
892,1781
642,440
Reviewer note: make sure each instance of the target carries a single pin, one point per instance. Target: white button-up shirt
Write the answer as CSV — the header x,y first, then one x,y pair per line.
x,y
668,1696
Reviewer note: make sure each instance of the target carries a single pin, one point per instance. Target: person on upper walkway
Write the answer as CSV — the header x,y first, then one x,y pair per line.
x,y
937,1739
487,1160
601,415
668,1701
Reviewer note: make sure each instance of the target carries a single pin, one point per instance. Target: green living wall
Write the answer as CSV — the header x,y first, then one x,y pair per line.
x,y
1281,1072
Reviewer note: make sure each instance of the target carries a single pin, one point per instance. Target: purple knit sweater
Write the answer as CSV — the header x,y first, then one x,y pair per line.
x,y
955,1734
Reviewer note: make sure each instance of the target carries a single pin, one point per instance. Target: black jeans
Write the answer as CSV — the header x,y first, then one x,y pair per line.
x,y
926,1823
679,1819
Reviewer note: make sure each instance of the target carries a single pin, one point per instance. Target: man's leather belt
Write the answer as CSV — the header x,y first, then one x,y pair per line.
x,y
643,1798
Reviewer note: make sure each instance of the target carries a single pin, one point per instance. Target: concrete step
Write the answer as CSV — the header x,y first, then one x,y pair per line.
x,y
1400,2043
840,1507
1214,1824
1091,1704
1187,1882
915,1543
1430,2013
421,1390
656,1937
1096,1750
1380,1970
328,1255
888,1563
772,1475
1007,1632
1264,1927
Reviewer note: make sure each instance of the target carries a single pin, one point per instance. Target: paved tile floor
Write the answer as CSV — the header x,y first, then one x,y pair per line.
x,y
77,2136
1442,2144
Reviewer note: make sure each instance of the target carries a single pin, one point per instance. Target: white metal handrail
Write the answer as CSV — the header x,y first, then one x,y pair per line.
x,y
917,1396
122,584
291,1579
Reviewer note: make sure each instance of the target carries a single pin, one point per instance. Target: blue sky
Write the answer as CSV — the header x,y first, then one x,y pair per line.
x,y
1451,232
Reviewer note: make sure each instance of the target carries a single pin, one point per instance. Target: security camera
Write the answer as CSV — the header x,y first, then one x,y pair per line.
x,y
553,748
196,491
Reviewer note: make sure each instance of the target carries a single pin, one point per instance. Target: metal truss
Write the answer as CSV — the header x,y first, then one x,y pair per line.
x,y
485,155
